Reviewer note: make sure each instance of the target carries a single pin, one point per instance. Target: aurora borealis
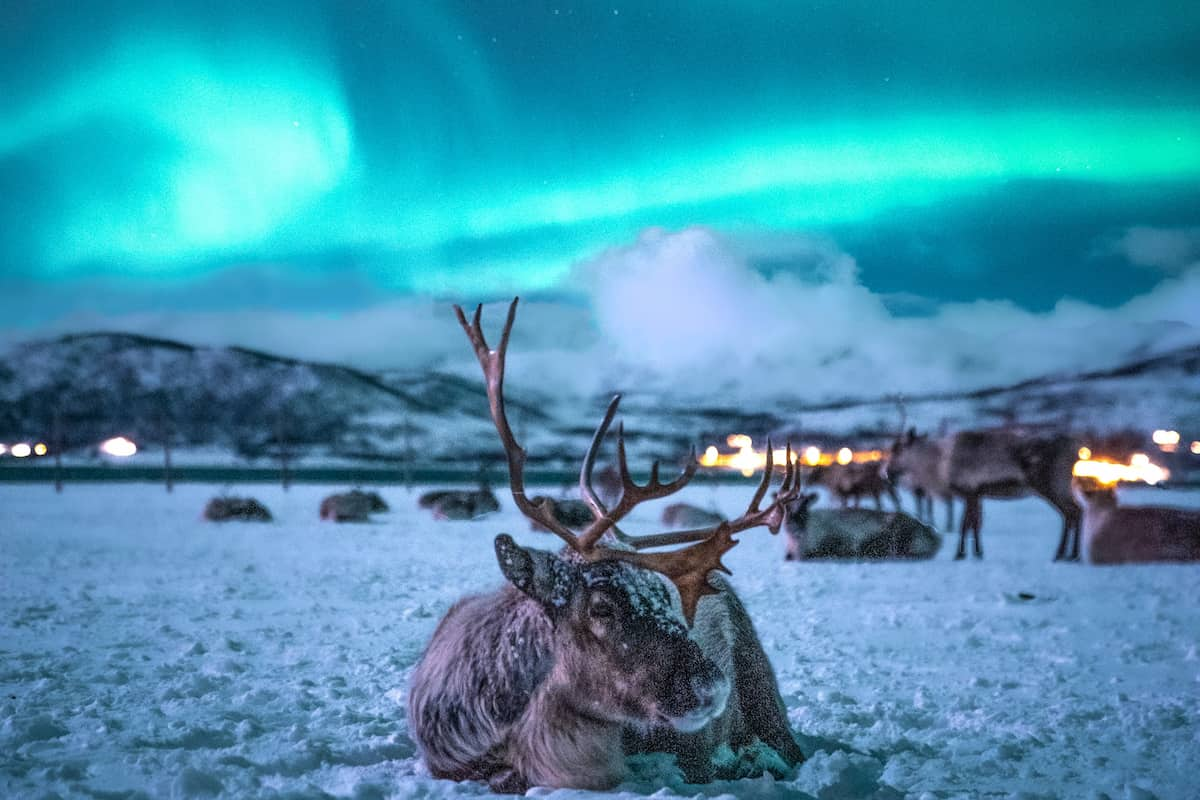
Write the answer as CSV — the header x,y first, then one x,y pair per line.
x,y
327,156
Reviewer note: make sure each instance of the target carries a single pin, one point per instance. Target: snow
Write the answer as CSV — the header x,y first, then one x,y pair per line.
x,y
144,652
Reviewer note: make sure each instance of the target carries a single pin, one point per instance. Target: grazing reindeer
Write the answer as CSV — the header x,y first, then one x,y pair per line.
x,y
1133,534
242,509
585,656
851,481
915,463
685,515
1004,464
855,533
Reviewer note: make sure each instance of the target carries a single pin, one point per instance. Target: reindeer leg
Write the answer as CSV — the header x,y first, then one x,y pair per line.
x,y
949,512
1061,552
962,529
878,504
977,521
1076,527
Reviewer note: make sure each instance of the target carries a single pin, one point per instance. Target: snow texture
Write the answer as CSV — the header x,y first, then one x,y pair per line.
x,y
146,653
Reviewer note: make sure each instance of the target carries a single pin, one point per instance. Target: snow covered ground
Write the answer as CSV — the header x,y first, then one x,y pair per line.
x,y
145,653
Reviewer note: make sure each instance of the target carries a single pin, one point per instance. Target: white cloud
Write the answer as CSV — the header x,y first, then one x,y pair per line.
x,y
689,308
686,314
1167,249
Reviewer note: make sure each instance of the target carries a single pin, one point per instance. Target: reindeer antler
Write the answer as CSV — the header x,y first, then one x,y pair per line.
x,y
687,567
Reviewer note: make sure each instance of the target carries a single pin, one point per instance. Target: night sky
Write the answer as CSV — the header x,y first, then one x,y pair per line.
x,y
326,158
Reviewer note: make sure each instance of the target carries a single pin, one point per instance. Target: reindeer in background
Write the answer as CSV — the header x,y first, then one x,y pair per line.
x,y
241,509
849,483
1115,534
352,506
585,656
915,464
460,504
1000,464
855,533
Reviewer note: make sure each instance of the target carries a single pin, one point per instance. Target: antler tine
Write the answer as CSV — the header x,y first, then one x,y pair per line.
x,y
789,490
492,362
589,461
632,494
690,566
765,483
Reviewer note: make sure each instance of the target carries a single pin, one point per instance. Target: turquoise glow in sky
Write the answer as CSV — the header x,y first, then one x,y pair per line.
x,y
386,148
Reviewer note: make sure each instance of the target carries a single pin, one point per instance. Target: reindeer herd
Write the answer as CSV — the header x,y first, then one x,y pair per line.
x,y
613,645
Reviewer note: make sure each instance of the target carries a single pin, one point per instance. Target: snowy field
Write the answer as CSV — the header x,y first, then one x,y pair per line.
x,y
145,653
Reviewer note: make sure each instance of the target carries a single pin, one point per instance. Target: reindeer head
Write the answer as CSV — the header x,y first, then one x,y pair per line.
x,y
900,459
798,510
622,650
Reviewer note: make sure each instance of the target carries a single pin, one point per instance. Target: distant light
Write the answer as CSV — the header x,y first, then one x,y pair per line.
x,y
739,440
118,446
812,455
1109,473
39,449
710,457
1195,448
1162,437
3,449
845,455
1085,453
21,450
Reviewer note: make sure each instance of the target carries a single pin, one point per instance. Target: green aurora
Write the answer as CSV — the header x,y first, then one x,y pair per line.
x,y
451,148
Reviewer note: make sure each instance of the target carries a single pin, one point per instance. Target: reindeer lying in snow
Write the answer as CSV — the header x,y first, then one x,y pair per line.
x,y
570,512
685,515
243,509
459,503
585,656
855,533
1115,534
352,506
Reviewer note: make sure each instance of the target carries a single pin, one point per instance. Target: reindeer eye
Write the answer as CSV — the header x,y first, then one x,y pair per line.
x,y
601,609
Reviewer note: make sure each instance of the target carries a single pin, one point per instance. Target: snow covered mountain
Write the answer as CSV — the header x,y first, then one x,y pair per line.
x,y
249,405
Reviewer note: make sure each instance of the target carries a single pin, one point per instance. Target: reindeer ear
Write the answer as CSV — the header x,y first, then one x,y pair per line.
x,y
809,498
543,576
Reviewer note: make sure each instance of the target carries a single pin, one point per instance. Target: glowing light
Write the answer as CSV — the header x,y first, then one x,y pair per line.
x,y
1195,448
39,449
118,446
1162,437
3,449
1167,441
1085,453
746,460
1139,469
21,450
